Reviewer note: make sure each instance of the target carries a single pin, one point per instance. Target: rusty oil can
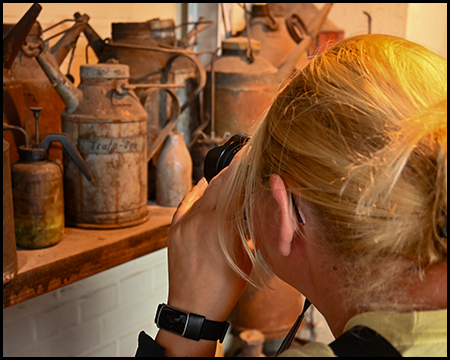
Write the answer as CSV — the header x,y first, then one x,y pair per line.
x,y
37,187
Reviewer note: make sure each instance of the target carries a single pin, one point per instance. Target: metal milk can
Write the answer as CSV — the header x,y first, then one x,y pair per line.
x,y
246,83
106,121
243,89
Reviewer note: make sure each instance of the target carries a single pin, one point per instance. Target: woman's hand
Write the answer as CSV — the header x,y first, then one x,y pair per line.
x,y
200,279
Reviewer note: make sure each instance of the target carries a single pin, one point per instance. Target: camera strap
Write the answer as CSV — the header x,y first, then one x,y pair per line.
x,y
361,341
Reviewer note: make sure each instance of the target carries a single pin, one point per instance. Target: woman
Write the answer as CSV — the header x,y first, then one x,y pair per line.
x,y
343,191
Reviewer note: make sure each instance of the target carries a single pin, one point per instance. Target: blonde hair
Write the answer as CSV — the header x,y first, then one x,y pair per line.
x,y
360,135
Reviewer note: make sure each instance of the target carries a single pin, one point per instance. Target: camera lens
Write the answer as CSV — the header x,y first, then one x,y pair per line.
x,y
220,157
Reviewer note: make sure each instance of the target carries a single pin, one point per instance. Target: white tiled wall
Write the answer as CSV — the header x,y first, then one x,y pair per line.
x,y
98,316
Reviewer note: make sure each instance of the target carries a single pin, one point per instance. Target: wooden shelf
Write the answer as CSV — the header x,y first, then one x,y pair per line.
x,y
83,253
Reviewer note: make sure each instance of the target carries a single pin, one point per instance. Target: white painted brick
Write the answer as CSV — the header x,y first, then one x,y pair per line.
x,y
12,327
54,320
105,350
127,344
79,338
160,279
118,322
98,302
135,286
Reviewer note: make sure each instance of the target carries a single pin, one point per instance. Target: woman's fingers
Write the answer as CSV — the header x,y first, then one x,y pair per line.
x,y
191,197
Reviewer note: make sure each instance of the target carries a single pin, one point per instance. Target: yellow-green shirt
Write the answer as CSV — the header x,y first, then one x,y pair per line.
x,y
418,333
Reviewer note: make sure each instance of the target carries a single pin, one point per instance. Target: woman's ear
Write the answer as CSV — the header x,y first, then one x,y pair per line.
x,y
287,229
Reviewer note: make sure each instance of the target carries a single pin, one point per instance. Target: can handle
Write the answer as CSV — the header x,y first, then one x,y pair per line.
x,y
170,125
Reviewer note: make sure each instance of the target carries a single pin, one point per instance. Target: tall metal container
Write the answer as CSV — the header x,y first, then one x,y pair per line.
x,y
9,239
11,47
113,143
106,121
246,83
243,89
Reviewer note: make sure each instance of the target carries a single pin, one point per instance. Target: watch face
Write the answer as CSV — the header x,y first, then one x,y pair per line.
x,y
172,320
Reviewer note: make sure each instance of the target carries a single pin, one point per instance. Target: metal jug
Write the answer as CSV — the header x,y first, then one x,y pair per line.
x,y
106,121
173,171
36,89
246,83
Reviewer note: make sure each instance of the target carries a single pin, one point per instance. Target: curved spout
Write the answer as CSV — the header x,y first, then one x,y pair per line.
x,y
95,41
68,41
64,87
288,65
16,37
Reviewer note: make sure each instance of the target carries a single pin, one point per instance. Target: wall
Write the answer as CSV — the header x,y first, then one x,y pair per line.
x,y
101,16
98,316
102,315
427,25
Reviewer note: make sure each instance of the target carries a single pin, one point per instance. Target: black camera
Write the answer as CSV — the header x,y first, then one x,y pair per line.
x,y
220,157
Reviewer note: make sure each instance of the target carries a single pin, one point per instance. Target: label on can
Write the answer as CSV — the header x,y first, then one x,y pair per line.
x,y
112,145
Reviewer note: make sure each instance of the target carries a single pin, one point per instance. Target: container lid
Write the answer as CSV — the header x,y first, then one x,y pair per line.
x,y
240,43
105,71
140,30
164,24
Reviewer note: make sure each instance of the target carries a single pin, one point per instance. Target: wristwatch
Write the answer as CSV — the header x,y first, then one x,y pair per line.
x,y
189,325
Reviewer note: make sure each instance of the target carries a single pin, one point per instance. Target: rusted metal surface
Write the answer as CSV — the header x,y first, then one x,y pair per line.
x,y
13,100
9,239
329,33
13,41
137,45
38,203
243,90
37,185
108,125
36,90
246,83
111,133
268,26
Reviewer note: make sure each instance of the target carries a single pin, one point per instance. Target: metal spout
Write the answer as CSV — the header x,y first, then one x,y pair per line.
x,y
95,41
63,86
16,37
313,31
68,41
71,149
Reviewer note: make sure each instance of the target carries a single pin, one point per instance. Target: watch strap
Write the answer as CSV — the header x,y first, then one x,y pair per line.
x,y
197,326
214,330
